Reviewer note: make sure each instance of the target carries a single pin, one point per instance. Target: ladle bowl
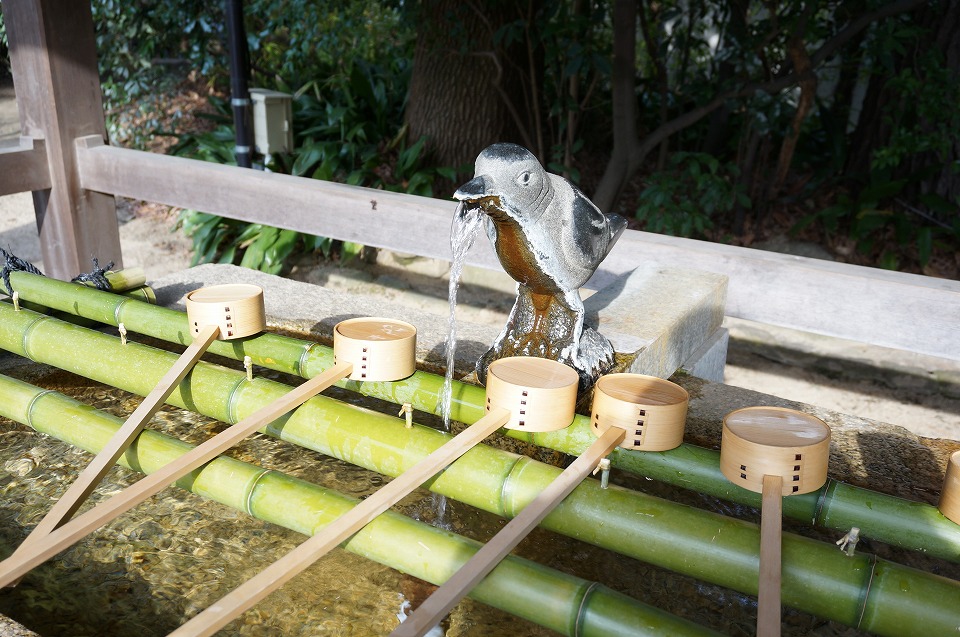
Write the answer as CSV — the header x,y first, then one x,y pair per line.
x,y
539,393
235,308
380,349
653,411
759,441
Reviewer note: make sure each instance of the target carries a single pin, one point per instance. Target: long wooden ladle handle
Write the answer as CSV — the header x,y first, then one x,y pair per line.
x,y
277,574
18,564
91,476
486,559
771,523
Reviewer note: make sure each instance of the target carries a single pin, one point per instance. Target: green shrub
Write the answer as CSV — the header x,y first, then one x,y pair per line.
x,y
684,200
345,132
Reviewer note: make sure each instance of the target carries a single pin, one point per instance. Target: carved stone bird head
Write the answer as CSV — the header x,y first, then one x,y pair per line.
x,y
546,232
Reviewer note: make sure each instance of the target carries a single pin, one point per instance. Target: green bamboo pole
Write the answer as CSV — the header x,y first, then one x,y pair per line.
x,y
817,578
523,588
125,279
896,521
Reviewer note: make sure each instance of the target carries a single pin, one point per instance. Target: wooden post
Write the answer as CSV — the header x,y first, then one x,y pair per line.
x,y
54,62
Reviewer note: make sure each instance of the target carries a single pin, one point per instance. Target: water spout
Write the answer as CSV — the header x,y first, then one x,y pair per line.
x,y
550,239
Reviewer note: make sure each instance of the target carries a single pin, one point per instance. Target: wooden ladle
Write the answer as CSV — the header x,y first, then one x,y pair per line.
x,y
776,452
21,562
625,408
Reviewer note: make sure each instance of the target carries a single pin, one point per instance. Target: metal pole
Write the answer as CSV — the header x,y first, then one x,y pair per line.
x,y
239,72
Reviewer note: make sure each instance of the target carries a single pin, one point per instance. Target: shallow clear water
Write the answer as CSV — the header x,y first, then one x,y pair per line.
x,y
148,571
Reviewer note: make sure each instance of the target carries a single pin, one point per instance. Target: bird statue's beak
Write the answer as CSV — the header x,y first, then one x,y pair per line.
x,y
475,194
474,189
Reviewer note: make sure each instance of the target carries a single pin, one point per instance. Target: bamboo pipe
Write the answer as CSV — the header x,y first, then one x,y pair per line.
x,y
838,506
877,595
124,279
556,600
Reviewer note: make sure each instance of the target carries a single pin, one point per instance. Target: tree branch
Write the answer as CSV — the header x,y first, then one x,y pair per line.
x,y
629,152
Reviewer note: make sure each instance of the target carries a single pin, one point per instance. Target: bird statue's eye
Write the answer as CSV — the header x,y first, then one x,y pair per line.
x,y
524,178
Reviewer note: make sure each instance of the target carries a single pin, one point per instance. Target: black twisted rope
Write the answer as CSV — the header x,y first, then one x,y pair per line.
x,y
13,263
97,276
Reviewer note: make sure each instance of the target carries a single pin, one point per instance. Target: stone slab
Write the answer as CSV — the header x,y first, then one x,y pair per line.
x,y
663,339
710,359
659,317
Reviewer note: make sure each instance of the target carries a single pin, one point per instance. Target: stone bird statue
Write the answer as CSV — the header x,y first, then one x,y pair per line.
x,y
550,238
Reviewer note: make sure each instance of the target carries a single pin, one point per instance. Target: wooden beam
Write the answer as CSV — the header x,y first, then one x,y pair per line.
x,y
54,65
891,309
23,166
350,213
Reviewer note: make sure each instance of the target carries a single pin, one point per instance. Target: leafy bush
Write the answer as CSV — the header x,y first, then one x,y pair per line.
x,y
344,132
684,200
144,50
876,219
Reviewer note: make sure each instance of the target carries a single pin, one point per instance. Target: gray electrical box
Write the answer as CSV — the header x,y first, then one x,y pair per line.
x,y
272,121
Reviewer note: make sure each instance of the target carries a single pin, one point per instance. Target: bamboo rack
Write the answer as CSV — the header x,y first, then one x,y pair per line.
x,y
238,312
564,603
838,506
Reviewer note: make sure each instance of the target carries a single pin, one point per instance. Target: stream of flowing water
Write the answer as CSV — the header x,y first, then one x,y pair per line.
x,y
466,223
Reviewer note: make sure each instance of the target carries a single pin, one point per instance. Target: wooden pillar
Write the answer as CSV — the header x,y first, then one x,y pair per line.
x,y
54,62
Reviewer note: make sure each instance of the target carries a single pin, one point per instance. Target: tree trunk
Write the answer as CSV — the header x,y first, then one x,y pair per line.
x,y
466,92
623,85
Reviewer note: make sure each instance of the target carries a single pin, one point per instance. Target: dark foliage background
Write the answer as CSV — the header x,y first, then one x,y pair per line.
x,y
729,120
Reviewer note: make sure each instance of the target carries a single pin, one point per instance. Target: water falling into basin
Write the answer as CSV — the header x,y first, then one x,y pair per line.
x,y
462,234
466,222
